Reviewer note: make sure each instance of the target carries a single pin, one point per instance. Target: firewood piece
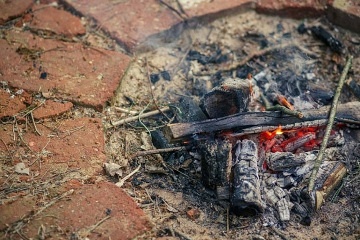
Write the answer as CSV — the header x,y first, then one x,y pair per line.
x,y
231,97
329,177
292,146
241,121
216,164
189,110
246,196
282,161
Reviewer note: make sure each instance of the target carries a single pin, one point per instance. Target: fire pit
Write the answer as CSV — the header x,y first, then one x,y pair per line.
x,y
240,165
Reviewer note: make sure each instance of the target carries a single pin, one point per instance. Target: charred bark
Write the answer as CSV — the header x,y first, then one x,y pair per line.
x,y
242,121
246,196
216,165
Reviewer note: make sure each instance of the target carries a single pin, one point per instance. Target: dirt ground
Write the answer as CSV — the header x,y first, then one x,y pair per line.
x,y
171,192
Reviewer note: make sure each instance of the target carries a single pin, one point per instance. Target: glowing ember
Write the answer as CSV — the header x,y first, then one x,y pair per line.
x,y
283,101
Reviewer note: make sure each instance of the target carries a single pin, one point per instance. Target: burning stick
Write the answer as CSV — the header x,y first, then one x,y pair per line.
x,y
287,109
318,160
293,145
255,122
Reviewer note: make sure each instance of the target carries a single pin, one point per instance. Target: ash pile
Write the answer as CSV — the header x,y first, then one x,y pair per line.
x,y
258,161
255,158
261,161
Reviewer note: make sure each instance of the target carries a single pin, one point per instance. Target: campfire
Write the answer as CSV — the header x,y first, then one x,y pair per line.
x,y
251,120
257,167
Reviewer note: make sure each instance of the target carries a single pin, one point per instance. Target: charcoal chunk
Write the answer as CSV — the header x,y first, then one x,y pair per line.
x,y
154,78
165,75
334,44
301,28
216,58
194,55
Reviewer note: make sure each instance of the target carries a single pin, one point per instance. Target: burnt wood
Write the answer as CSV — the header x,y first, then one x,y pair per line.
x,y
238,122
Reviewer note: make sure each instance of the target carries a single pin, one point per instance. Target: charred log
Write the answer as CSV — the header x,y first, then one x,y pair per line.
x,y
216,165
231,97
241,121
246,196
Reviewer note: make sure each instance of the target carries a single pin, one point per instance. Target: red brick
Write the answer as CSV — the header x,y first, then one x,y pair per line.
x,y
57,21
130,22
73,72
345,13
292,8
87,206
51,108
13,9
9,106
75,143
13,211
216,7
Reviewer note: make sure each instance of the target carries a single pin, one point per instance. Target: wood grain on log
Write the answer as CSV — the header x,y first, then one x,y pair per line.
x,y
347,111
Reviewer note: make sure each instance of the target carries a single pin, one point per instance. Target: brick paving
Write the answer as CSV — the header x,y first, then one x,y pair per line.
x,y
51,61
130,29
42,18
292,8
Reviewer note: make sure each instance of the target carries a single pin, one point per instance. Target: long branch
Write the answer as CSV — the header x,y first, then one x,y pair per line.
x,y
332,114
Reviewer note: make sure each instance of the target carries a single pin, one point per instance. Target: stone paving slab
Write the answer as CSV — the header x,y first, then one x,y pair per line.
x,y
216,7
345,13
292,8
13,9
76,142
15,210
51,19
51,109
10,105
70,71
130,22
76,213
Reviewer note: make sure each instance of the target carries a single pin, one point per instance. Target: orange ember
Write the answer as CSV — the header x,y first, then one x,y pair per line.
x,y
284,102
268,135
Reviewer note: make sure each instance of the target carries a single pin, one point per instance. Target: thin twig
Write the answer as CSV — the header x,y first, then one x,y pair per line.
x,y
179,12
151,90
84,233
227,220
33,121
122,181
143,115
332,114
126,111
7,149
156,151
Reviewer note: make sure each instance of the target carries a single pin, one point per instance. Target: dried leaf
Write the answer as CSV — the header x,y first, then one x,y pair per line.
x,y
22,169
